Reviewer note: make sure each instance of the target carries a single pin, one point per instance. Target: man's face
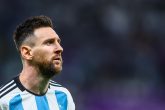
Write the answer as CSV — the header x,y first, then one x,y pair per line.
x,y
47,52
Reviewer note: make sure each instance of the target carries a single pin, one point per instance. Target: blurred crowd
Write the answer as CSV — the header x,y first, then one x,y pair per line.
x,y
114,50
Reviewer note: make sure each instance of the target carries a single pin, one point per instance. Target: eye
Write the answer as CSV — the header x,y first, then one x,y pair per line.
x,y
49,42
59,41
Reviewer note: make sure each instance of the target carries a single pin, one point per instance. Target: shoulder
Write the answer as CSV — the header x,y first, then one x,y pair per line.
x,y
58,87
7,88
61,91
54,84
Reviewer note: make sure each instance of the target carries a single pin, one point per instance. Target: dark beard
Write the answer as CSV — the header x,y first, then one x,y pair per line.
x,y
46,69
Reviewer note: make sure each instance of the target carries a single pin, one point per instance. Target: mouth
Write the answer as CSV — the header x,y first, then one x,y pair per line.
x,y
57,59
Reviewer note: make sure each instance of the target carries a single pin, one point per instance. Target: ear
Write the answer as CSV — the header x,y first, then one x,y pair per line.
x,y
26,52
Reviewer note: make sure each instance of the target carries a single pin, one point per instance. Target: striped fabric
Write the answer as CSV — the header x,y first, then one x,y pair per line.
x,y
13,96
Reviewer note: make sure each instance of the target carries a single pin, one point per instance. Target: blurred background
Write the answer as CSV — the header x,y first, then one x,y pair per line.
x,y
114,50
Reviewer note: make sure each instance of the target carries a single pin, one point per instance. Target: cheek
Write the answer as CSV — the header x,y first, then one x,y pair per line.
x,y
40,55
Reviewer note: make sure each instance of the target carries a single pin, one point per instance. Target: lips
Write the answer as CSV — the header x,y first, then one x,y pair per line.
x,y
57,59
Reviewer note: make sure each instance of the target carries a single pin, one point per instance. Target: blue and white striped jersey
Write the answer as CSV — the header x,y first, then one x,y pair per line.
x,y
14,96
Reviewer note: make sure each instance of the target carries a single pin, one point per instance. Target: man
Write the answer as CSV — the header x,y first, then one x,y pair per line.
x,y
40,51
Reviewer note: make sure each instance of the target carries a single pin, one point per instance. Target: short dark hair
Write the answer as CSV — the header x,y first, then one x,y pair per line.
x,y
26,29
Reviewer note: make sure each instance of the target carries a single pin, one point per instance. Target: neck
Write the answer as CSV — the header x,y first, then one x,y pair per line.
x,y
33,81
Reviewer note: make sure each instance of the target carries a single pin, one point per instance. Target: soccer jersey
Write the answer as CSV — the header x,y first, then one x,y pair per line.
x,y
14,96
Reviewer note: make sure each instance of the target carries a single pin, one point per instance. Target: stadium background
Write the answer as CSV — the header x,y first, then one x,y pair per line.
x,y
114,50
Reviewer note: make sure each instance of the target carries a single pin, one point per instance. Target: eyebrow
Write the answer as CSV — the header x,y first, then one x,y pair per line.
x,y
58,39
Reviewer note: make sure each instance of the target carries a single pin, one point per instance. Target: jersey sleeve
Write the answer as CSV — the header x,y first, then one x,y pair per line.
x,y
3,107
71,104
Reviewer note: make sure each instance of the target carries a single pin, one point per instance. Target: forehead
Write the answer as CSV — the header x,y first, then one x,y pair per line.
x,y
44,33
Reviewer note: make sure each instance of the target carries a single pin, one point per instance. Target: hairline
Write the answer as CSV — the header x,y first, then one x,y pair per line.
x,y
29,40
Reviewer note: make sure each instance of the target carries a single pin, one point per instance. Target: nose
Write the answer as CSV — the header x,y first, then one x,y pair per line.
x,y
59,48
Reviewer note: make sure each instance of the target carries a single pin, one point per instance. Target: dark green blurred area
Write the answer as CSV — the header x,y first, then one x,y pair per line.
x,y
114,50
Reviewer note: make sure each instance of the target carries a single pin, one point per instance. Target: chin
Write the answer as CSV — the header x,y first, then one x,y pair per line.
x,y
58,67
58,70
